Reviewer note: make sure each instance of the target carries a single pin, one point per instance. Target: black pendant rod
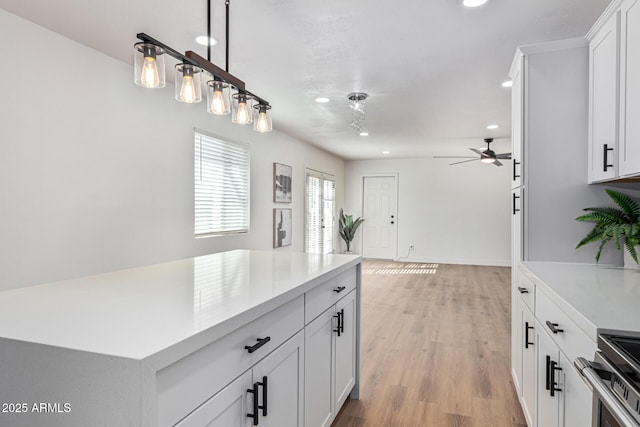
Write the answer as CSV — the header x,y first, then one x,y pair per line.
x,y
209,30
226,5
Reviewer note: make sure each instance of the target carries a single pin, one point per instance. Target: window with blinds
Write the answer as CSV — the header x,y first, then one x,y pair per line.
x,y
320,212
221,186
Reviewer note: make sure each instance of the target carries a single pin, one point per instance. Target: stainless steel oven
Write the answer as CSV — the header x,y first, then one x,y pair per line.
x,y
614,376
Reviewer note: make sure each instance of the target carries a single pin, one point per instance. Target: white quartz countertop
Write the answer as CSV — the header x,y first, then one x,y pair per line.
x,y
141,312
598,298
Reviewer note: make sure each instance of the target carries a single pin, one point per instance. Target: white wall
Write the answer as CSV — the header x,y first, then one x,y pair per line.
x,y
96,174
451,214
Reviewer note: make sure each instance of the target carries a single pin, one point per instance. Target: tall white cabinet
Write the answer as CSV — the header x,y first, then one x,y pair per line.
x,y
550,130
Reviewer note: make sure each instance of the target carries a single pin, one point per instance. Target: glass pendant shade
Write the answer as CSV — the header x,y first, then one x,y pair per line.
x,y
242,108
188,83
262,120
218,101
149,65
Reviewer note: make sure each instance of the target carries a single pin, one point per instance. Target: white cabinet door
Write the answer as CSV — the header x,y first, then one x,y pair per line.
x,y
228,408
280,377
345,358
517,119
629,156
603,103
529,366
517,235
319,357
577,397
549,380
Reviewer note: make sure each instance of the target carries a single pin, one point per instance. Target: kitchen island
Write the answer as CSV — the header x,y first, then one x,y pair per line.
x,y
176,342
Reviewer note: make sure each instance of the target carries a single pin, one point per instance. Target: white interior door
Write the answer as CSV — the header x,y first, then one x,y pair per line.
x,y
379,236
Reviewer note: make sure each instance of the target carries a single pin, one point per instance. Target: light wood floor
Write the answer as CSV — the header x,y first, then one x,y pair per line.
x,y
435,348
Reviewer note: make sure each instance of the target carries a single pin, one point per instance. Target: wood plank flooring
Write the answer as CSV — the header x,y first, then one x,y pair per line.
x,y
435,348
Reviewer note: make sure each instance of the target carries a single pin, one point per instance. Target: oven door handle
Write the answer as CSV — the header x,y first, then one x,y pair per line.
x,y
604,392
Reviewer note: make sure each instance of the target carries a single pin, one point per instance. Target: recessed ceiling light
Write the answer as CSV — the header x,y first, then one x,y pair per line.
x,y
202,40
385,152
364,133
474,3
322,100
492,127
507,83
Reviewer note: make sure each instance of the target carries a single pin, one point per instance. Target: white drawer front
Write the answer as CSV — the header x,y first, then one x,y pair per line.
x,y
318,299
186,384
526,289
571,340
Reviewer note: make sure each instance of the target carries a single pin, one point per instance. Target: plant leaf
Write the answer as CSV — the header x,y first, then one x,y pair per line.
x,y
629,206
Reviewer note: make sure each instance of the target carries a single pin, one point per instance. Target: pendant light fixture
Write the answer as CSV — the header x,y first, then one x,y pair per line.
x,y
218,98
188,83
262,121
149,72
149,65
242,108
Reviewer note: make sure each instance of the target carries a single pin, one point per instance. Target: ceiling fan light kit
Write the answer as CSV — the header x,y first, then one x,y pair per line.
x,y
149,72
487,156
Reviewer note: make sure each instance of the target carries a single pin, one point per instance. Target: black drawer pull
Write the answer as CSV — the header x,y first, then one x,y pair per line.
x,y
263,384
255,414
554,327
339,289
341,320
523,290
514,203
260,343
526,335
514,169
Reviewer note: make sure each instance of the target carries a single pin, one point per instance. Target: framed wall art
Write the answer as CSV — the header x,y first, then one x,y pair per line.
x,y
281,227
281,183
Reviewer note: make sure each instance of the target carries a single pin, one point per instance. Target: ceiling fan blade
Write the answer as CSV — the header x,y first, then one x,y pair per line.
x,y
478,152
497,163
506,156
464,161
454,157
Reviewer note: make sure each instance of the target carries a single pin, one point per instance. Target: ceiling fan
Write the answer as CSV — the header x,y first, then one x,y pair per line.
x,y
486,156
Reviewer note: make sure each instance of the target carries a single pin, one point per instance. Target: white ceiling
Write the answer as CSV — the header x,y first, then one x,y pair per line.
x,y
432,68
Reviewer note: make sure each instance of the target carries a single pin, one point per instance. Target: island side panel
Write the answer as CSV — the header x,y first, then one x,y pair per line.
x,y
53,387
355,392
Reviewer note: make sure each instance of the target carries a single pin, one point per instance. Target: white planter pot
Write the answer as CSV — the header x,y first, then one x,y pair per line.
x,y
629,262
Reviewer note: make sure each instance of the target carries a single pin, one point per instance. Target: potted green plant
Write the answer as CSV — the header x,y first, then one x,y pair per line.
x,y
615,223
347,228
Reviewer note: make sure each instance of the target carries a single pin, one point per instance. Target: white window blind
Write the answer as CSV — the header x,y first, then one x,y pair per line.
x,y
221,186
320,212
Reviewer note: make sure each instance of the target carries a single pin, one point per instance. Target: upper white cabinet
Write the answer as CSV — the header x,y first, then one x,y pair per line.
x,y
516,121
603,103
614,93
629,155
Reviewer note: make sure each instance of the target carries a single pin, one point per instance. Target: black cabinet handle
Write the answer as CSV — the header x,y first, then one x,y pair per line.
x,y
554,327
526,335
514,169
523,290
514,203
553,367
605,155
260,343
263,384
340,328
341,320
254,391
339,289
547,384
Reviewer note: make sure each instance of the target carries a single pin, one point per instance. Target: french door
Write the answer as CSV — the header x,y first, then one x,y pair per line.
x,y
320,205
